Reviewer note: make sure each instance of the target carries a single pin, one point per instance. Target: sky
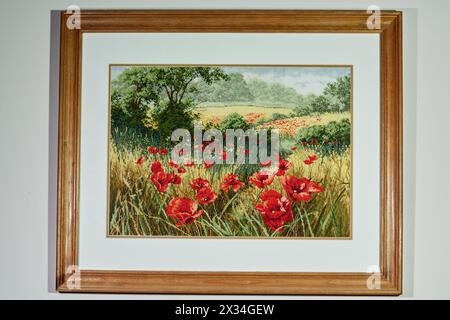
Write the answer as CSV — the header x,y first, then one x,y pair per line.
x,y
304,79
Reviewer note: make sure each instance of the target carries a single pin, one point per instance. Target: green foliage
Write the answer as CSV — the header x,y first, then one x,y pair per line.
x,y
234,88
304,108
132,93
320,104
275,93
338,93
279,116
335,98
164,90
234,121
331,137
180,115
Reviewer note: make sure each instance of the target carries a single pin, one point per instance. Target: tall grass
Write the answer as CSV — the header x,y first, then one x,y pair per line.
x,y
138,209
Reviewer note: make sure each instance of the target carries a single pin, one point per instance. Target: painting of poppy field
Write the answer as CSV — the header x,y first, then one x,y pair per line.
x,y
302,191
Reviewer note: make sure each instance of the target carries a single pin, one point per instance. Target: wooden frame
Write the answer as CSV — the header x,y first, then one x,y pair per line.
x,y
231,282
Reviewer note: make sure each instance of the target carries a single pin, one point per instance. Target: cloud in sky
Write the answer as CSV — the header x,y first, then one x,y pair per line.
x,y
304,80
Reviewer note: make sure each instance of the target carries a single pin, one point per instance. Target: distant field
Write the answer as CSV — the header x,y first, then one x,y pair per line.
x,y
290,126
219,112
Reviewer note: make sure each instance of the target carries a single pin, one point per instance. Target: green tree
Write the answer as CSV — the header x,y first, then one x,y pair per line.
x,y
304,105
338,93
320,104
132,93
176,81
233,89
275,93
162,89
234,121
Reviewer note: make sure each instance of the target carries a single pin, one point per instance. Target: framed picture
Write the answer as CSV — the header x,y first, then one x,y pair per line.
x,y
230,152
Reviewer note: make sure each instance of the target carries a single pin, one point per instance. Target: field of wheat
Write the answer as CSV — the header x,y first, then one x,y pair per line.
x,y
239,201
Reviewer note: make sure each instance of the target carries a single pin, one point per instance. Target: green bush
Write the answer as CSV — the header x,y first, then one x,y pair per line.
x,y
234,121
331,137
279,116
178,116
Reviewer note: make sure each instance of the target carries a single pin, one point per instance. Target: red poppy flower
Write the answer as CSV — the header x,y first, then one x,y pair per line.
x,y
246,151
173,164
207,164
266,163
189,163
294,148
300,189
275,210
160,181
261,179
174,178
152,150
199,183
311,159
141,160
183,211
181,170
283,166
163,152
231,181
156,167
206,196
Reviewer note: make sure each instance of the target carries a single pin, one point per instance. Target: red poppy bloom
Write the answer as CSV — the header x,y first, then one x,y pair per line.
x,y
246,151
208,164
231,181
173,164
160,181
275,210
189,163
140,160
152,150
174,178
261,179
266,163
163,152
294,148
199,183
156,167
183,211
283,166
181,170
300,189
206,196
311,159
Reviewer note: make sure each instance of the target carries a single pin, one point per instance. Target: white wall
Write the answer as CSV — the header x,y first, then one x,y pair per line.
x,y
28,113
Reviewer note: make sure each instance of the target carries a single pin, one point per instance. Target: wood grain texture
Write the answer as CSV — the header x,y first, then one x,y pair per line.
x,y
68,151
231,282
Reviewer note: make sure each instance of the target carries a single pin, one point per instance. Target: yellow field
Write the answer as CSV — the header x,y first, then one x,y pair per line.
x,y
218,113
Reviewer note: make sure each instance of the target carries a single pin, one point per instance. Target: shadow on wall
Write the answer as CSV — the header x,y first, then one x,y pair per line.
x,y
53,147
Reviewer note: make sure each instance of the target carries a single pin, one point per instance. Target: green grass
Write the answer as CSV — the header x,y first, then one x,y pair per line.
x,y
137,209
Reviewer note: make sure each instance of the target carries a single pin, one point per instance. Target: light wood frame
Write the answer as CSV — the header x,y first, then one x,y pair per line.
x,y
109,281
